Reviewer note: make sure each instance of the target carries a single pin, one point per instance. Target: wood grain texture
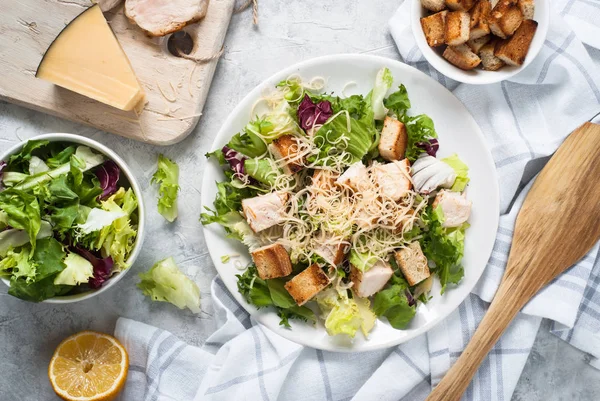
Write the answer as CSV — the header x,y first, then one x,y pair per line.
x,y
176,88
557,225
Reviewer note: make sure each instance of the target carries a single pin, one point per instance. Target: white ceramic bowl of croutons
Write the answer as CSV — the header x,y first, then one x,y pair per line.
x,y
478,76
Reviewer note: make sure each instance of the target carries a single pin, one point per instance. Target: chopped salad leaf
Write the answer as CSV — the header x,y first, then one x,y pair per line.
x,y
398,102
383,82
167,176
164,282
393,303
78,270
22,211
461,170
418,129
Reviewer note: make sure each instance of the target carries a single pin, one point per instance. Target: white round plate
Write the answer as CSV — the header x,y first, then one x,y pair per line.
x,y
458,133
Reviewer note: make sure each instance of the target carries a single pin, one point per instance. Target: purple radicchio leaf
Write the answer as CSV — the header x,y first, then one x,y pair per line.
x,y
430,147
102,267
310,114
236,161
409,296
108,175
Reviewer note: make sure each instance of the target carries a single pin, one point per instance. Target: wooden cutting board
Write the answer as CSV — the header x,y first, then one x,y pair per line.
x,y
176,88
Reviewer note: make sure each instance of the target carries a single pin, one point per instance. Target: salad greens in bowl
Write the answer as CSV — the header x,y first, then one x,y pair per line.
x,y
71,218
346,211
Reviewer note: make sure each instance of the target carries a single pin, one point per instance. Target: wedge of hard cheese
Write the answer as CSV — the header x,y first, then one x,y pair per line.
x,y
87,58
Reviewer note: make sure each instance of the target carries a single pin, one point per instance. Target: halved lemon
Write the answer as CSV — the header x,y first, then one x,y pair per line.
x,y
89,366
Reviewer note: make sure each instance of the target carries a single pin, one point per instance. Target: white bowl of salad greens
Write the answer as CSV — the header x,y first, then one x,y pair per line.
x,y
356,203
71,218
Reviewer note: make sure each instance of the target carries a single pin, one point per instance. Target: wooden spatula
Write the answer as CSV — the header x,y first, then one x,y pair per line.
x,y
557,225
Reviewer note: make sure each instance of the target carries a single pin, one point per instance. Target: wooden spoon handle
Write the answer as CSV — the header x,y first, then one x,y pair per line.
x,y
503,309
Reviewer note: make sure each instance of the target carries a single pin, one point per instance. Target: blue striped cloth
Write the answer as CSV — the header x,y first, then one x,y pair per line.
x,y
524,120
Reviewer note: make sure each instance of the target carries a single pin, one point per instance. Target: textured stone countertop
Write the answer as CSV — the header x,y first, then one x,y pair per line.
x,y
289,32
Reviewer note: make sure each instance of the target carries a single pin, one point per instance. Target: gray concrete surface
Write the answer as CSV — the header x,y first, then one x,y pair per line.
x,y
289,32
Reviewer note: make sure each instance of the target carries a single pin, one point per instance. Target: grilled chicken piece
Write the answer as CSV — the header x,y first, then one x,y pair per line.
x,y
455,206
161,17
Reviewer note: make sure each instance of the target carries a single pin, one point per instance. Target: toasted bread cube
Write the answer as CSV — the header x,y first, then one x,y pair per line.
x,y
355,177
477,44
272,261
488,60
460,5
307,284
433,5
527,8
412,263
332,253
286,149
457,28
455,207
394,138
514,50
505,18
462,57
434,28
265,211
392,179
479,20
372,281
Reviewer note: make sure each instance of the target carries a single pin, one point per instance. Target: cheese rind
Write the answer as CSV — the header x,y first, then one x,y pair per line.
x,y
87,58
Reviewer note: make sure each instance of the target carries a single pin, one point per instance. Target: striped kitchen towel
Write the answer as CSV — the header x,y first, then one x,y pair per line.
x,y
524,120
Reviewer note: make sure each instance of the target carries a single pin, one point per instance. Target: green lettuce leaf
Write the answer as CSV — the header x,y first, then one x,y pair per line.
x,y
248,143
445,247
398,101
23,211
264,293
164,282
360,138
37,291
60,157
392,303
361,261
262,170
167,176
20,161
16,263
383,82
37,165
235,225
461,170
342,314
14,237
78,270
418,129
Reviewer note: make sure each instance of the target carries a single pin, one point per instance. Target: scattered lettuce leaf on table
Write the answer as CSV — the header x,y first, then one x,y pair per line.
x,y
167,177
164,282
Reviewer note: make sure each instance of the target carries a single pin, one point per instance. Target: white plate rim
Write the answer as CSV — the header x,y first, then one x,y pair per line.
x,y
223,136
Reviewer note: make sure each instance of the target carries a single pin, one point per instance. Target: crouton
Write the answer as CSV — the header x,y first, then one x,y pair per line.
x,y
272,261
514,50
460,5
462,57
392,179
307,284
372,281
479,20
455,206
505,18
493,3
285,149
434,28
355,177
527,8
433,5
332,253
265,211
392,143
457,28
488,60
412,263
477,44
